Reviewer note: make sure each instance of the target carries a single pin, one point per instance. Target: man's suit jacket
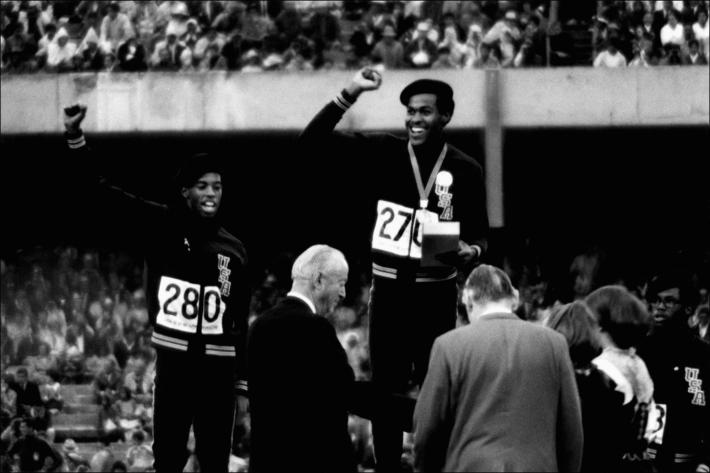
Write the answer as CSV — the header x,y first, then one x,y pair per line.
x,y
299,382
500,395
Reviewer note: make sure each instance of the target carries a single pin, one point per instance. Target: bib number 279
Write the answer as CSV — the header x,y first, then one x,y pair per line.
x,y
180,304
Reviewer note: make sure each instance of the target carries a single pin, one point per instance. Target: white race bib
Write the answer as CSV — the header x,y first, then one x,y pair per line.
x,y
657,418
180,303
398,229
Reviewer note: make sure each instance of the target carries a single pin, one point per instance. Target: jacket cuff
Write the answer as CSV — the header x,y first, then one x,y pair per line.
x,y
75,139
344,100
242,387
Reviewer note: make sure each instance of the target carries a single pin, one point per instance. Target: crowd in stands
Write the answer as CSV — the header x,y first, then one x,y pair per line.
x,y
633,34
71,316
255,36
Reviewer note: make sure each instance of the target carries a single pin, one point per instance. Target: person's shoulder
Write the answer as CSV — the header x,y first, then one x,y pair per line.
x,y
457,336
232,240
459,156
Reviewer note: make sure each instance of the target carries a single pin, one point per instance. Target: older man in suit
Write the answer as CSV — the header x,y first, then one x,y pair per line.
x,y
299,376
500,393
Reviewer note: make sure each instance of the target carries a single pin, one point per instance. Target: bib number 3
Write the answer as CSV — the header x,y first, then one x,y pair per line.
x,y
180,305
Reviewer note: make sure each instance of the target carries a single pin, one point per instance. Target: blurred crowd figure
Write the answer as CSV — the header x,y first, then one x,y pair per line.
x,y
256,36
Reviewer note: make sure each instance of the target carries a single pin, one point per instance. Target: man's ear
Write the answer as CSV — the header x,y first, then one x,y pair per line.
x,y
446,118
516,299
317,280
184,191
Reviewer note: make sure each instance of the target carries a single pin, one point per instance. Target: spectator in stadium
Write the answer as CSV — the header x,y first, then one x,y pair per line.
x,y
679,364
43,45
293,344
187,247
673,31
255,26
229,21
693,56
507,24
611,56
139,456
671,56
28,401
458,424
288,22
296,59
30,452
71,457
662,17
398,271
115,28
444,60
44,362
50,391
488,57
472,47
19,48
108,382
209,38
421,52
643,53
212,59
701,32
139,383
109,419
131,56
8,401
532,52
252,62
167,53
232,52
179,19
53,334
389,49
700,321
104,458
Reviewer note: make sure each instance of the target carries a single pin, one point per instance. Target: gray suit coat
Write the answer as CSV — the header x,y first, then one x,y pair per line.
x,y
500,395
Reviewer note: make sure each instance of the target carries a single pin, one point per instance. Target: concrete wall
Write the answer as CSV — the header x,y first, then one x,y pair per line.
x,y
284,101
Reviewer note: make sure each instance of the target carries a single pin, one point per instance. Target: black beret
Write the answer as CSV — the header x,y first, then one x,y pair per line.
x,y
442,90
197,166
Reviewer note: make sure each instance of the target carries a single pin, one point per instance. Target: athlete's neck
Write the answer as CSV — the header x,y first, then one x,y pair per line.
x,y
428,151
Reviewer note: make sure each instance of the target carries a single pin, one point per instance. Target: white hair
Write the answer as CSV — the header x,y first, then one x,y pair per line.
x,y
316,259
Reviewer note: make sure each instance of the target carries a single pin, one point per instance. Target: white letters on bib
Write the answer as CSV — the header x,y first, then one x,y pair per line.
x,y
179,304
398,229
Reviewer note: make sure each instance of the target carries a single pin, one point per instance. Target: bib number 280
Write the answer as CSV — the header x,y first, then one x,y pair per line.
x,y
180,305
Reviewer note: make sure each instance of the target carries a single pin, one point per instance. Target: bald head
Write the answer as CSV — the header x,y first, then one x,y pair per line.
x,y
320,273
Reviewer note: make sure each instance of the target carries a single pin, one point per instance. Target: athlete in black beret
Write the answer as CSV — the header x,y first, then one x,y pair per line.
x,y
412,181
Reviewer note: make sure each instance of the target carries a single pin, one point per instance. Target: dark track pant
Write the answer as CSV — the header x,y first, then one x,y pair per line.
x,y
198,390
405,318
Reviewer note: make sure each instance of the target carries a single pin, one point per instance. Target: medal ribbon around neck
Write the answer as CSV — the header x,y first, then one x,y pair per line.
x,y
425,191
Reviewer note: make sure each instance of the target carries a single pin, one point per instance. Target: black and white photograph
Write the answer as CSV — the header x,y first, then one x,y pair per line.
x,y
355,236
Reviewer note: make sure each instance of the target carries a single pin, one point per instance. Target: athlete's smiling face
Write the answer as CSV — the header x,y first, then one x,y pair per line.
x,y
205,195
424,120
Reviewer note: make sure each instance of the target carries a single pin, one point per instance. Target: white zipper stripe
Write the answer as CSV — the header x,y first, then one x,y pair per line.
x,y
169,339
169,345
218,353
